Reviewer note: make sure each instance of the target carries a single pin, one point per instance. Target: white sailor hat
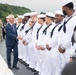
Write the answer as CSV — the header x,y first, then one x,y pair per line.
x,y
27,14
41,16
33,13
59,12
50,14
65,2
20,16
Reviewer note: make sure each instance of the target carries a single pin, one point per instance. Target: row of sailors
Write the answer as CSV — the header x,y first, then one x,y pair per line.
x,y
38,46
46,40
43,39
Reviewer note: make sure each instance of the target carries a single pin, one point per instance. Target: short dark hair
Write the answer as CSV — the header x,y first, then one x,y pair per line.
x,y
70,5
28,16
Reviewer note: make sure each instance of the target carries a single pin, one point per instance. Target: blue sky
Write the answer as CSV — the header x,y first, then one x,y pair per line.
x,y
37,5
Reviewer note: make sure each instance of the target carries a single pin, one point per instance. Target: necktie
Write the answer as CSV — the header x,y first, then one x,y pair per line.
x,y
13,28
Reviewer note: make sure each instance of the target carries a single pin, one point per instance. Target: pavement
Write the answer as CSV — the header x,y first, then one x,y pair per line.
x,y
23,70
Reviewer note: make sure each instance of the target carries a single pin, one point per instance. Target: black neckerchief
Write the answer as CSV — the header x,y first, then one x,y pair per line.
x,y
38,32
54,29
64,25
22,27
30,28
18,27
45,30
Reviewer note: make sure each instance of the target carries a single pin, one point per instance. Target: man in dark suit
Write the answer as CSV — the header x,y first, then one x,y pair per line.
x,y
12,42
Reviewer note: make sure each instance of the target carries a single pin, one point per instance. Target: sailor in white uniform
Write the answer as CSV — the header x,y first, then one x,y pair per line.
x,y
39,37
25,47
34,31
48,65
31,40
27,42
66,31
20,17
52,44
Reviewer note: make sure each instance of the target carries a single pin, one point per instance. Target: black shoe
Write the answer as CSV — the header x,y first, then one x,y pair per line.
x,y
36,73
15,67
9,67
29,68
33,70
24,63
20,60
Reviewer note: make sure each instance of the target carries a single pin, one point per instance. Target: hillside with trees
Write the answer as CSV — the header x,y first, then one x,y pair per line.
x,y
6,9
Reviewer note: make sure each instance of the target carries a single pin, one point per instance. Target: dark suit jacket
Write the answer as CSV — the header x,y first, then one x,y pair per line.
x,y
11,35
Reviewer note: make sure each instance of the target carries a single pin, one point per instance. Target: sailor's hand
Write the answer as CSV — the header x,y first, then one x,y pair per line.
x,y
37,47
48,48
61,50
42,48
25,43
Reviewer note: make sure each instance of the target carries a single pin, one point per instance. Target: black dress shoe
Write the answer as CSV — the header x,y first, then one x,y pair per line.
x,y
29,68
33,70
15,67
24,63
20,60
9,67
36,73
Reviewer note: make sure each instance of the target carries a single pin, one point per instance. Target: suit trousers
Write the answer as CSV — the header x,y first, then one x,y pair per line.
x,y
9,50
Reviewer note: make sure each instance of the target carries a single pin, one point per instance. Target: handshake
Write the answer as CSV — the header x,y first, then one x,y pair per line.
x,y
19,38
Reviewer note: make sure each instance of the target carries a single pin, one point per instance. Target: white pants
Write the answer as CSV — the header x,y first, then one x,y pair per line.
x,y
25,53
47,68
31,56
20,50
37,59
56,61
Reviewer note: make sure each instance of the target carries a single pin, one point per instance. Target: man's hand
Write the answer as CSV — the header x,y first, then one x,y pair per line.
x,y
25,43
19,38
48,48
61,50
